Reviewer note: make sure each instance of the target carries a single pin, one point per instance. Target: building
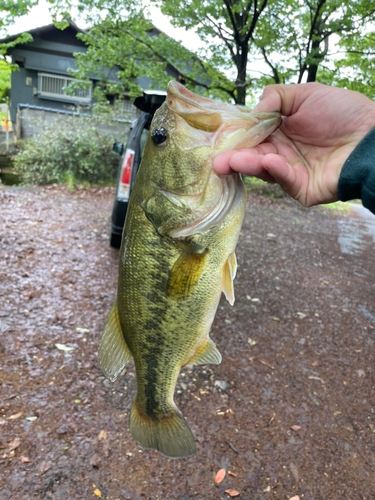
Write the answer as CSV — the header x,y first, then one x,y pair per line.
x,y
38,89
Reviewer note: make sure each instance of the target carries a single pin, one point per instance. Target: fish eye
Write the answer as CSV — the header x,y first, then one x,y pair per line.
x,y
158,135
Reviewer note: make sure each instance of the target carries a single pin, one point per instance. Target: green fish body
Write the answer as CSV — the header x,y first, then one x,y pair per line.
x,y
177,256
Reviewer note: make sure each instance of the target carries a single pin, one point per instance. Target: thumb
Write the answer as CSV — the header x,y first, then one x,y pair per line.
x,y
269,101
284,98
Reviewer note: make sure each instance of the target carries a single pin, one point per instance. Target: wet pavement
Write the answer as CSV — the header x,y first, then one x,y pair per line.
x,y
289,412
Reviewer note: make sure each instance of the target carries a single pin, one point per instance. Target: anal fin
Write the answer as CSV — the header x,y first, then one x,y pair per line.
x,y
208,353
114,353
230,269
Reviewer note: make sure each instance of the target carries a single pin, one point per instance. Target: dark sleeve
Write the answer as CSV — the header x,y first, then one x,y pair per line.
x,y
357,177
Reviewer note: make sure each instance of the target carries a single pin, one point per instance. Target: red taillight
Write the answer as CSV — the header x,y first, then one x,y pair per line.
x,y
127,165
127,168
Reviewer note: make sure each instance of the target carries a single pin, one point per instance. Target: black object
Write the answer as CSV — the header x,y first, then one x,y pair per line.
x,y
118,147
357,176
131,156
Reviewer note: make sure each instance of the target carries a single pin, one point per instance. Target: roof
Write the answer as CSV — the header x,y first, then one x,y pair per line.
x,y
36,31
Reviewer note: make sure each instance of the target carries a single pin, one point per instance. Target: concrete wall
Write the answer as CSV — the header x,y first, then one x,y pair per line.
x,y
31,122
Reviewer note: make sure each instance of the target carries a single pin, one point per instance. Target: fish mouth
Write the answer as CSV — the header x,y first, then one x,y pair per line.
x,y
219,126
204,218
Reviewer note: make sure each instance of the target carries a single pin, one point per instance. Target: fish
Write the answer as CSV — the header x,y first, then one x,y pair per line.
x,y
177,256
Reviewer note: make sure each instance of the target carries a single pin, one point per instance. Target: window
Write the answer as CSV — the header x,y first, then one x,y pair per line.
x,y
56,85
125,106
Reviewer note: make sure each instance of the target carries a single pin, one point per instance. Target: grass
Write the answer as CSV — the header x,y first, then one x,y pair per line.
x,y
258,187
338,208
261,188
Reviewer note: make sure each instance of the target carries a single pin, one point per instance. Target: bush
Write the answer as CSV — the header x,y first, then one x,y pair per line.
x,y
72,149
258,187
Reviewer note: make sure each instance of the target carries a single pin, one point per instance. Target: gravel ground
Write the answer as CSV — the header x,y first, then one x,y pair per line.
x,y
290,410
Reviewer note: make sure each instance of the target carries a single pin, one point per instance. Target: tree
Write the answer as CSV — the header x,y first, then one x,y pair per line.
x,y
288,40
309,45
10,10
5,70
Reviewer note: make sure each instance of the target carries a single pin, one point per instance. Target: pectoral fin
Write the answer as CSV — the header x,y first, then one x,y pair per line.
x,y
230,269
114,353
206,354
185,273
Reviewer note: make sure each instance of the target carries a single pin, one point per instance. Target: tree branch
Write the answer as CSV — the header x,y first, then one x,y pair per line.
x,y
225,40
232,20
184,75
273,68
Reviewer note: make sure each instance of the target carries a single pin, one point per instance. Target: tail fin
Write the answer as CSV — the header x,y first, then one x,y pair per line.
x,y
171,436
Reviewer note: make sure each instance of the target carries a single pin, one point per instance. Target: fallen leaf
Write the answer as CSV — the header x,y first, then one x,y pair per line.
x,y
220,476
45,466
296,427
294,471
294,498
95,460
13,445
13,417
102,435
232,493
97,493
275,318
63,347
25,460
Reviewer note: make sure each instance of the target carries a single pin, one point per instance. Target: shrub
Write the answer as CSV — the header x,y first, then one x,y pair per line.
x,y
72,149
258,187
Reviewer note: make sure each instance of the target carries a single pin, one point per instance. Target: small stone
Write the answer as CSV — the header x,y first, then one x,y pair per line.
x,y
222,384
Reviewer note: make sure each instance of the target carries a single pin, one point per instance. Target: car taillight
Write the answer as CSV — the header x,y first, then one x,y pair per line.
x,y
124,186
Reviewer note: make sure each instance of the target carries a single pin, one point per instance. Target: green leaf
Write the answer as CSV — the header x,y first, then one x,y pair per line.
x,y
63,347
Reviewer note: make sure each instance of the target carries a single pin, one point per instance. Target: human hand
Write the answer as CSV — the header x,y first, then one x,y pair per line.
x,y
321,126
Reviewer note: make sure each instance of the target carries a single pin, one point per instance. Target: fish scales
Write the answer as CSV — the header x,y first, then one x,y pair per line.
x,y
177,256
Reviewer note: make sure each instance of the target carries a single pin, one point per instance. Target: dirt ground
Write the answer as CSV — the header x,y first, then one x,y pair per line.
x,y
289,412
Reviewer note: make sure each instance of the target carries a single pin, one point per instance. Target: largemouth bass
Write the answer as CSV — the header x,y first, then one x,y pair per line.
x,y
177,256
